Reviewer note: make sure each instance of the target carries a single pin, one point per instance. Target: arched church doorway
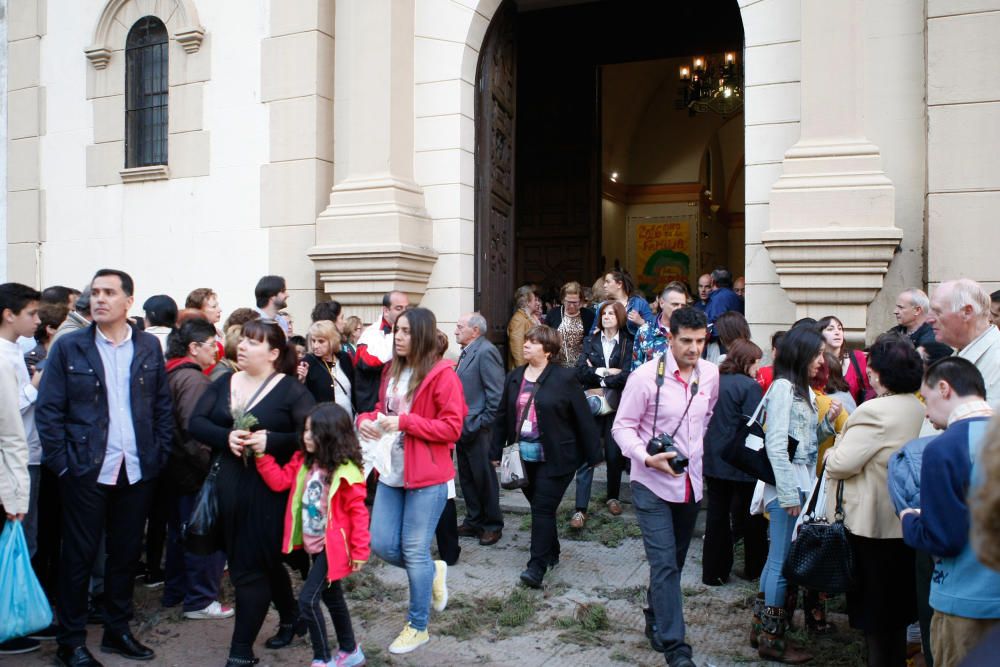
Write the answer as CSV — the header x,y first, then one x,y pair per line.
x,y
587,156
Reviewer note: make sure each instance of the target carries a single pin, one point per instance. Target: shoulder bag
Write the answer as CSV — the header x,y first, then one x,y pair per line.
x,y
512,475
820,558
746,451
201,534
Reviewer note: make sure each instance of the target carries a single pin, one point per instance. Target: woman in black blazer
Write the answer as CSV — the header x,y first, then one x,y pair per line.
x,y
557,434
327,371
604,363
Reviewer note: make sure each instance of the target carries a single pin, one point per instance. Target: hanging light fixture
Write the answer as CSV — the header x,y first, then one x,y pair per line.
x,y
711,87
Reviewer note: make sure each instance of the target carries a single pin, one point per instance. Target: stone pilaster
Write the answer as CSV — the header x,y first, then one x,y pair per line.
x,y
374,235
832,233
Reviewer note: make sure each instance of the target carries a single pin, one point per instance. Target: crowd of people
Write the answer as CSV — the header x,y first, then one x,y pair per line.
x,y
316,451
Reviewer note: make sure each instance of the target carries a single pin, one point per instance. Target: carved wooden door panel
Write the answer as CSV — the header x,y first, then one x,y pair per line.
x,y
495,112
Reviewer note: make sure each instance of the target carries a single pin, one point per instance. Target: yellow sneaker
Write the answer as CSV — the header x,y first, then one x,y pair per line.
x,y
439,589
410,639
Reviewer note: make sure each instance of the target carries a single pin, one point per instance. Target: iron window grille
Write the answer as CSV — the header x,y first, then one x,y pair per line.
x,y
146,86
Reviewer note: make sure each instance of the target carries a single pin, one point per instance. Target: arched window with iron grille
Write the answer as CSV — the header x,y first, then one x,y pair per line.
x,y
146,86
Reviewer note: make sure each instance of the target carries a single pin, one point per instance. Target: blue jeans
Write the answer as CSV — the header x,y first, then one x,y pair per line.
x,y
402,527
666,534
772,581
192,579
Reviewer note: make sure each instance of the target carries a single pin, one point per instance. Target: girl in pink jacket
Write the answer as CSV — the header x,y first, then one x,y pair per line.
x,y
327,517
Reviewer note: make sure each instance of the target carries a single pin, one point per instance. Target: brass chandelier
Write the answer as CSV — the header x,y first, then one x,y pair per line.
x,y
711,87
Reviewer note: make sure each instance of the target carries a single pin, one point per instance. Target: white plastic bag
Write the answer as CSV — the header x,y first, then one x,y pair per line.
x,y
512,469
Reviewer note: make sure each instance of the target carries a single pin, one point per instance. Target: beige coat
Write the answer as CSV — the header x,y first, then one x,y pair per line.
x,y
15,485
518,326
860,457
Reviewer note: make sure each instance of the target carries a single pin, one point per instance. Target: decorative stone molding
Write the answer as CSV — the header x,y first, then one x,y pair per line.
x,y
190,38
98,56
182,24
157,172
358,275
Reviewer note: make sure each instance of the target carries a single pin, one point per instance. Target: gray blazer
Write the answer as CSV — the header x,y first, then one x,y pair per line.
x,y
482,373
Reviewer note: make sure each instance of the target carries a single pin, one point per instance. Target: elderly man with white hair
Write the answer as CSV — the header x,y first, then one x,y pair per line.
x,y
912,308
960,317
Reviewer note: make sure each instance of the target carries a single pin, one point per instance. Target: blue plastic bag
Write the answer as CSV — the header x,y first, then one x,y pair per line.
x,y
23,606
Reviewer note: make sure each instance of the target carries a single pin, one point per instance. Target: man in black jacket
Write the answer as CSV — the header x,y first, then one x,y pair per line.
x,y
105,422
912,307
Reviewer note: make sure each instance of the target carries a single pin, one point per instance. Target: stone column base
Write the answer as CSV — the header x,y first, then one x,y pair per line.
x,y
833,271
359,275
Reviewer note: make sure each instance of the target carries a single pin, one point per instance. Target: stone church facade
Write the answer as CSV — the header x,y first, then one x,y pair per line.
x,y
335,142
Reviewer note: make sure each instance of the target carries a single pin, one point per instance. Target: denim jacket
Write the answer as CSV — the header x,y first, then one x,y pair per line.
x,y
790,415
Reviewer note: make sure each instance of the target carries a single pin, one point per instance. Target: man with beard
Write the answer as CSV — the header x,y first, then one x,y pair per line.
x,y
272,297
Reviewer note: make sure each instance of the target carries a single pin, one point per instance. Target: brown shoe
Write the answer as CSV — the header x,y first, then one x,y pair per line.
x,y
466,530
578,520
489,537
615,507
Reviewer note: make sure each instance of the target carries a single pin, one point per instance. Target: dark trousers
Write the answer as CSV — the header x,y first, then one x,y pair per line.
x,y
254,594
46,559
728,516
317,588
924,568
447,534
615,461
544,493
479,483
190,578
156,527
88,508
666,534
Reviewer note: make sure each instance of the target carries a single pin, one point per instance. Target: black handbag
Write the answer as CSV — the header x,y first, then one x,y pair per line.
x,y
753,462
201,534
820,558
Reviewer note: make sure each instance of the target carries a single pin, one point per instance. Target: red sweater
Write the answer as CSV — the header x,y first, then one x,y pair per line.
x,y
431,428
347,538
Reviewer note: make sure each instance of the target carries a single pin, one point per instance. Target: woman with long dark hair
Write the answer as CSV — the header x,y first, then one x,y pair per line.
x,y
252,515
421,399
619,286
791,412
729,490
543,409
853,364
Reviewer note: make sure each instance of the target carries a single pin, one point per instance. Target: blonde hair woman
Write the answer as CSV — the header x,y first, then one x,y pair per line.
x,y
327,371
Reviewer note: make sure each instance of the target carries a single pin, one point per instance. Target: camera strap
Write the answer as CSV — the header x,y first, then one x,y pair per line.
x,y
661,370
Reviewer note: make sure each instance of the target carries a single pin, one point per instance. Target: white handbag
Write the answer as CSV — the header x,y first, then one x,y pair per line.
x,y
512,469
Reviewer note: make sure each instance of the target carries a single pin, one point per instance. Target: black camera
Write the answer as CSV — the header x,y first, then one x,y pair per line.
x,y
663,443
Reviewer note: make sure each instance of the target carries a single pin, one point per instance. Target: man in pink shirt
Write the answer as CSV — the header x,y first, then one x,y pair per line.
x,y
670,398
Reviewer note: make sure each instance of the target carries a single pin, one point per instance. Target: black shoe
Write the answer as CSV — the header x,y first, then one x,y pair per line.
x,y
153,580
654,641
233,661
680,660
531,579
76,656
286,633
45,634
19,645
466,530
126,645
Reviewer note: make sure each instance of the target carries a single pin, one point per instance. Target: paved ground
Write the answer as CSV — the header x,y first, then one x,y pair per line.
x,y
588,614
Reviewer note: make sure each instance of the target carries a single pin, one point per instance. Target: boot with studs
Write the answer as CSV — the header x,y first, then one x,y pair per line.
x,y
773,643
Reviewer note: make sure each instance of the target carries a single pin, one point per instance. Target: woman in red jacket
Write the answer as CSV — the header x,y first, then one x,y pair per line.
x,y
326,516
421,398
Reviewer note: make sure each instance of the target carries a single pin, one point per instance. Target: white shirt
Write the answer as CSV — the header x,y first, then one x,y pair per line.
x,y
608,346
26,397
984,352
